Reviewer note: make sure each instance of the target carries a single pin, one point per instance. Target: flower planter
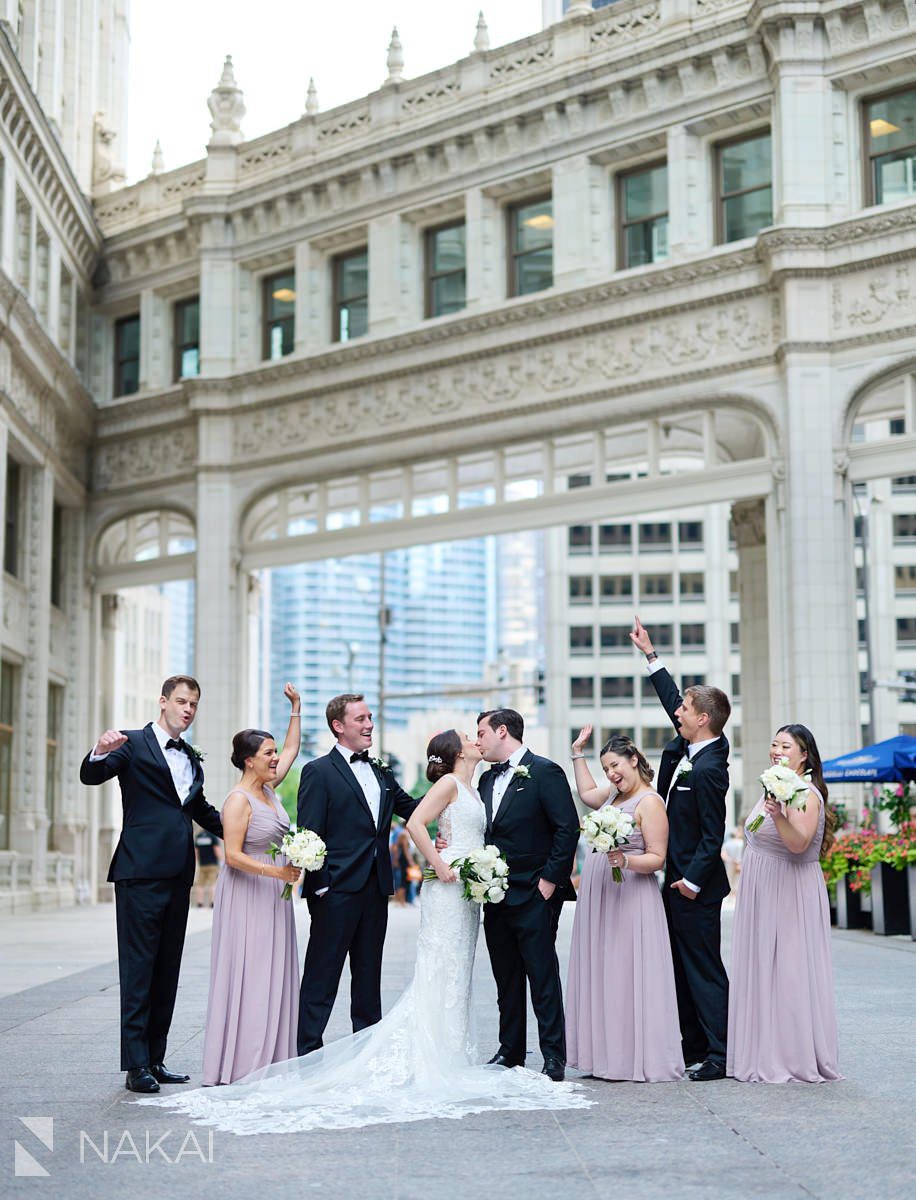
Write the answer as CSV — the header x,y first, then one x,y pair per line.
x,y
849,914
911,882
890,902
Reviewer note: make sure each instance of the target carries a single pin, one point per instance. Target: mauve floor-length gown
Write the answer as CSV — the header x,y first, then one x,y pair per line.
x,y
254,963
781,1010
621,1006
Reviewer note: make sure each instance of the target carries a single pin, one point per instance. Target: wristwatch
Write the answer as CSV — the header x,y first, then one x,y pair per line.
x,y
651,656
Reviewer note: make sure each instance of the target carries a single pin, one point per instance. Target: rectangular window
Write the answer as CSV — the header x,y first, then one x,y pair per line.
x,y
127,356
531,247
187,338
13,517
903,483
590,741
446,278
351,295
617,689
654,738
278,308
581,689
52,757
904,527
734,630
655,587
693,584
57,556
580,539
745,183
736,686
578,481
862,632
693,636
580,589
904,578
615,537
581,639
615,637
906,631
890,135
655,535
643,207
8,681
616,587
733,591
690,535
692,681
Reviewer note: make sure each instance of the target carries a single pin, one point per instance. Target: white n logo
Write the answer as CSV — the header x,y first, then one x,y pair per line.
x,y
43,1129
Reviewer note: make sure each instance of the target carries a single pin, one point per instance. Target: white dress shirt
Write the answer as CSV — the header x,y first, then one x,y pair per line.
x,y
501,782
366,778
178,762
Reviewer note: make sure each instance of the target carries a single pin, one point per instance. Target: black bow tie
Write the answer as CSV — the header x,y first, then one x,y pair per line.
x,y
360,756
176,744
498,768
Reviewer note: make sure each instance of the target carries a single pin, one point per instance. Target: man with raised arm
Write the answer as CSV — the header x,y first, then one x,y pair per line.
x,y
693,780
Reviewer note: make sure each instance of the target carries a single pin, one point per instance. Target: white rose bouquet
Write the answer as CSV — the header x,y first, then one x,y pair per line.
x,y
484,875
304,849
781,783
607,829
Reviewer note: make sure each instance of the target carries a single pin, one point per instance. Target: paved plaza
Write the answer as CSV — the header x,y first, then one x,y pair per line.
x,y
59,1050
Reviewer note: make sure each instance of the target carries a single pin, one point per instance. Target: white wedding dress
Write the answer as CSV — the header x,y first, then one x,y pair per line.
x,y
415,1064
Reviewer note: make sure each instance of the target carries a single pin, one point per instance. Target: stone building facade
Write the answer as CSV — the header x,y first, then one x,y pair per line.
x,y
655,257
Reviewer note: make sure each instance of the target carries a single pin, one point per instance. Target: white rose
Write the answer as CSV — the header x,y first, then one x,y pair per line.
x,y
603,843
500,868
495,893
485,873
478,892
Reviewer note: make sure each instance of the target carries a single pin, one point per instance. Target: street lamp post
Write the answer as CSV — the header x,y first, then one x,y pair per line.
x,y
384,620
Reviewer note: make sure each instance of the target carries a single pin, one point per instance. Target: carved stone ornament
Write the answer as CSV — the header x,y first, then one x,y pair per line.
x,y
749,523
395,58
106,173
226,108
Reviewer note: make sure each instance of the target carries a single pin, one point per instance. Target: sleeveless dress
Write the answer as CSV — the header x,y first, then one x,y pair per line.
x,y
416,1063
621,1006
781,1012
254,964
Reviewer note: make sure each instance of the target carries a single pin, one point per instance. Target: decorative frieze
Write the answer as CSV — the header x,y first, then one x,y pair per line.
x,y
133,461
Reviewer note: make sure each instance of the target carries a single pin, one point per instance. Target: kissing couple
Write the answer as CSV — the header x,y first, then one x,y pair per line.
x,y
416,1062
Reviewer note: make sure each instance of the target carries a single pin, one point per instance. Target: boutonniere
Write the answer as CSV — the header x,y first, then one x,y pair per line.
x,y
195,752
685,770
381,763
521,773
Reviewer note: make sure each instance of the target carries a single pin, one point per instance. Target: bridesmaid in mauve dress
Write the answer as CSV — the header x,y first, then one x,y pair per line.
x,y
254,965
781,1013
621,1005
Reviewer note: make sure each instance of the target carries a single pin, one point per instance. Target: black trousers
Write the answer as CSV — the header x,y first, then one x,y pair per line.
x,y
343,924
152,915
521,939
699,977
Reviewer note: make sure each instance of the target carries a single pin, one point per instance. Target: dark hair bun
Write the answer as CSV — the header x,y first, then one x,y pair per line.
x,y
245,744
441,753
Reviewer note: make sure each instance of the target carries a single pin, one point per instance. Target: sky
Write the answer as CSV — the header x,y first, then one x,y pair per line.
x,y
178,46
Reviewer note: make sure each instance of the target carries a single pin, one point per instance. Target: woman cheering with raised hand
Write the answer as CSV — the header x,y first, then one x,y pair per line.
x,y
621,1007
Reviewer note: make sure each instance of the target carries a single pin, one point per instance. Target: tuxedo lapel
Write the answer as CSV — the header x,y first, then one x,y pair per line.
x,y
155,750
486,795
512,788
197,784
343,769
382,794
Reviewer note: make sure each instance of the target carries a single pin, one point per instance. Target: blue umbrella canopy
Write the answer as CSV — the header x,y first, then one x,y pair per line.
x,y
886,762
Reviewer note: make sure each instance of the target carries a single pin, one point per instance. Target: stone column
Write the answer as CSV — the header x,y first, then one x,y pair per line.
x,y
28,834
219,607
104,802
218,288
485,242
384,273
882,607
690,218
749,522
573,253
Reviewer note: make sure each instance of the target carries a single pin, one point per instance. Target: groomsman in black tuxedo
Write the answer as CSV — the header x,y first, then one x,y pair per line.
x,y
347,797
162,793
531,817
693,778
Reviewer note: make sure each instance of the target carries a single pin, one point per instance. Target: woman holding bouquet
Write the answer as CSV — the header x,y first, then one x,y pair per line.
x,y
621,1007
254,965
781,1015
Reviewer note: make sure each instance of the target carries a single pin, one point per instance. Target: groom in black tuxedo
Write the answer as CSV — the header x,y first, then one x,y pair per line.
x,y
693,778
347,797
532,819
162,790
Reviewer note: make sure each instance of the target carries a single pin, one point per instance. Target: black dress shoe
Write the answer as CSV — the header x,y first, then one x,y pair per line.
x,y
709,1070
159,1073
554,1069
499,1060
141,1079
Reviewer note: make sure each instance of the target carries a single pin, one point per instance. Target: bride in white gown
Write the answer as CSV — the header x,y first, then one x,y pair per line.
x,y
416,1063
